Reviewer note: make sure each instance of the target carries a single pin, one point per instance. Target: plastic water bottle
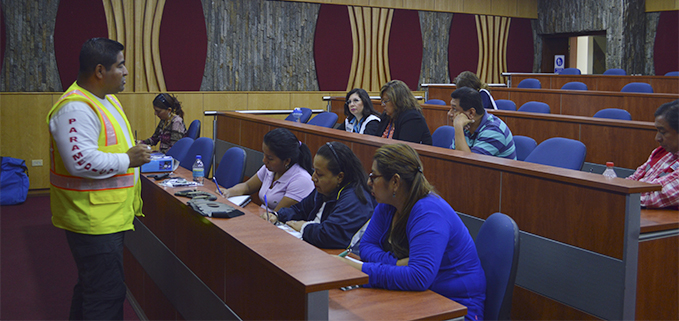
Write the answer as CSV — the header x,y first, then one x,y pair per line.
x,y
609,172
297,114
198,170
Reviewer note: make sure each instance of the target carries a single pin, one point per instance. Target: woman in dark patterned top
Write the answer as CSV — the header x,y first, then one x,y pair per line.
x,y
171,127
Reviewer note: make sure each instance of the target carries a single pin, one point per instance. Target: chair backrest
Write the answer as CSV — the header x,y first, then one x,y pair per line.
x,y
570,71
524,146
497,245
435,102
637,87
574,85
559,152
615,72
613,113
231,167
326,119
194,130
535,107
306,114
529,83
443,136
504,104
672,73
202,146
179,149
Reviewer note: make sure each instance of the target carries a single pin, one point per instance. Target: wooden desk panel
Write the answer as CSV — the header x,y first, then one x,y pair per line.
x,y
626,143
660,84
658,279
574,102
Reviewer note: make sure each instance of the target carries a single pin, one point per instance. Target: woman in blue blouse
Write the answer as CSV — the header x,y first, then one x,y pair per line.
x,y
415,241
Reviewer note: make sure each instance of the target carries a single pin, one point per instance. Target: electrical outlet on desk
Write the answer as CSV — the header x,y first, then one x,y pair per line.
x,y
36,162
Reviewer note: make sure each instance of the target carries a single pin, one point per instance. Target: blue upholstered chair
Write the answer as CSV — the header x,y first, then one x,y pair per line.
x,y
202,146
524,146
535,107
194,130
529,83
570,71
435,102
504,104
498,245
231,167
306,114
637,87
615,72
559,152
672,73
574,85
613,113
443,136
325,119
179,149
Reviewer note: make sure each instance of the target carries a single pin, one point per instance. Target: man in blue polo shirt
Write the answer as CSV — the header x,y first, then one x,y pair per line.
x,y
476,130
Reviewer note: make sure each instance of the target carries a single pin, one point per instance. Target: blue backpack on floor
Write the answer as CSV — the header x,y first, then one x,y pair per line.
x,y
13,181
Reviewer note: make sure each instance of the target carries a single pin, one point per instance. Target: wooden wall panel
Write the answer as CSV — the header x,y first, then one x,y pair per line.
x,y
24,132
637,144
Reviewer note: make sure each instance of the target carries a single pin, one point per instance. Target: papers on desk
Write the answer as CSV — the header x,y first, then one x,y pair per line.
x,y
290,230
177,182
240,200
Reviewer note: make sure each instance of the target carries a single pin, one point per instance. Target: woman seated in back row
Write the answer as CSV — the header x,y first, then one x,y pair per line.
x,y
340,205
171,127
402,118
361,116
285,177
469,79
415,241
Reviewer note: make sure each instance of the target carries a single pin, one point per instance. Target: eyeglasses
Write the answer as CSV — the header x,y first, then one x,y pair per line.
x,y
385,102
354,101
373,177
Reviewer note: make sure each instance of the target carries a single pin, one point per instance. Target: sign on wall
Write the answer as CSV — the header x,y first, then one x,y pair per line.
x,y
558,63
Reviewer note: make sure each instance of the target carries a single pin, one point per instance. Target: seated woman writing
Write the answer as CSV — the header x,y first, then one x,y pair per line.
x,y
415,241
285,177
402,118
171,127
339,206
361,116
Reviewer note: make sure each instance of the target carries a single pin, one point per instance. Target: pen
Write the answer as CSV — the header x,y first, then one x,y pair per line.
x,y
345,253
214,179
135,137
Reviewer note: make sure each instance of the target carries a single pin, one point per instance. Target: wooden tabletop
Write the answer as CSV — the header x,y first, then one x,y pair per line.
x,y
654,220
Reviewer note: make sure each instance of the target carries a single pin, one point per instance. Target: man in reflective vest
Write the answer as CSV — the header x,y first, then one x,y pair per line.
x,y
94,178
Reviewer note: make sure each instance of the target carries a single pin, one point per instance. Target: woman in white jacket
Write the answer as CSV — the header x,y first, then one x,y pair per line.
x,y
361,116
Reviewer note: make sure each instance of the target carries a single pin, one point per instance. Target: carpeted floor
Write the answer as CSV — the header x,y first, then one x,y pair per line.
x,y
37,272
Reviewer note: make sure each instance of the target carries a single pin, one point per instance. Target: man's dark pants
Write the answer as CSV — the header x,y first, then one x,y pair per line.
x,y
100,291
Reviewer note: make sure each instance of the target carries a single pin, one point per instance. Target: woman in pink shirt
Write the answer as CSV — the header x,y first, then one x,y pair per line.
x,y
285,177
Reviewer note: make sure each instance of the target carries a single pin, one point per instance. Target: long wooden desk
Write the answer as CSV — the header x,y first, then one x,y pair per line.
x,y
257,270
660,84
626,143
572,102
566,260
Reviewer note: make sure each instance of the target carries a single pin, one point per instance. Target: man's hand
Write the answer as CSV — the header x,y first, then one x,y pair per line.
x,y
139,155
462,120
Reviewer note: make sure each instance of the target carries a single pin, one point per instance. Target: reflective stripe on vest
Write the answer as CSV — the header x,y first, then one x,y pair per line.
x,y
84,184
111,138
